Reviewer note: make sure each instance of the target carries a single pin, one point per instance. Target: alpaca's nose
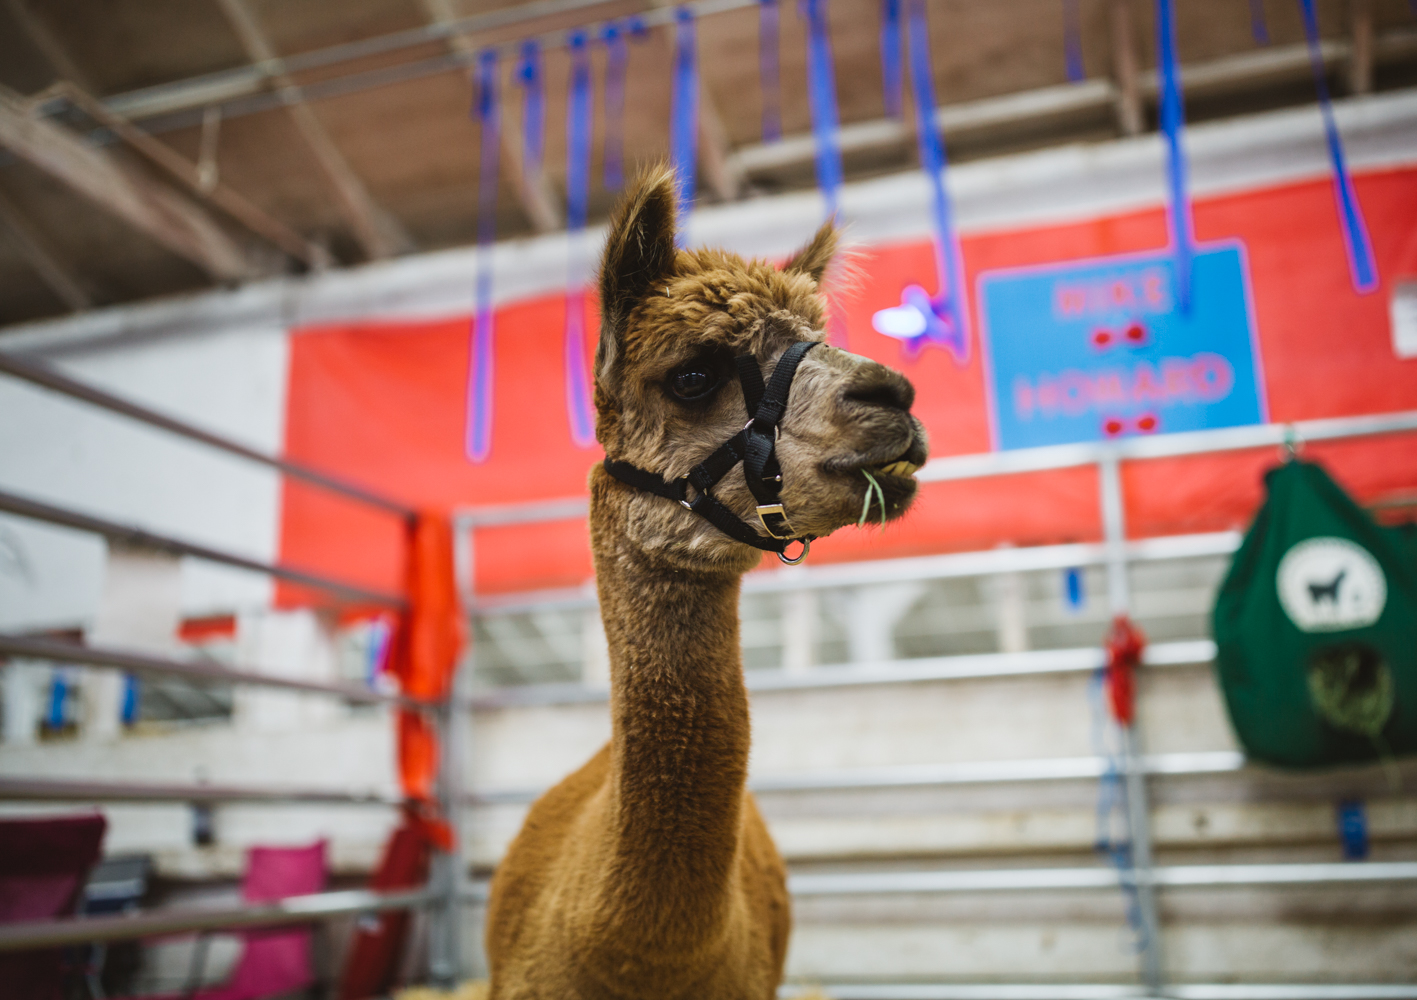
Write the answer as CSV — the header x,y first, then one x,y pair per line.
x,y
877,385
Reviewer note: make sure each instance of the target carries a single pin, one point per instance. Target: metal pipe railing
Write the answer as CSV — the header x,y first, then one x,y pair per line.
x,y
1077,879
972,666
63,790
54,380
294,910
1043,770
1063,456
952,565
1045,879
290,911
1104,991
59,651
139,538
983,772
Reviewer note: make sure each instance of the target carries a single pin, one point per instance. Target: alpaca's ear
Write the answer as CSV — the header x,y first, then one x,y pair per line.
x,y
813,258
639,256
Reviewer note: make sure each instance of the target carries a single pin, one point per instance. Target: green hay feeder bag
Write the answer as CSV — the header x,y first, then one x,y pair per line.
x,y
1316,629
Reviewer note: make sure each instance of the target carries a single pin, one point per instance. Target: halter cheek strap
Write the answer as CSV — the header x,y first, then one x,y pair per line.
x,y
755,446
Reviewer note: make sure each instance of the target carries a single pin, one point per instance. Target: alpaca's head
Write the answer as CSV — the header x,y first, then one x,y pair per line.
x,y
672,322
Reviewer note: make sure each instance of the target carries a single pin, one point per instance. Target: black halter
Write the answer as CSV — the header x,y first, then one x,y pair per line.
x,y
753,446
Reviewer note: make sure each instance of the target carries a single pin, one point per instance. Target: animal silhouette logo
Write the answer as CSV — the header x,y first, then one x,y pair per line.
x,y
1327,591
1330,584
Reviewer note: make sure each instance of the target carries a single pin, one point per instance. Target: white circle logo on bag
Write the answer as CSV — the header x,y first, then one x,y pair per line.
x,y
1330,584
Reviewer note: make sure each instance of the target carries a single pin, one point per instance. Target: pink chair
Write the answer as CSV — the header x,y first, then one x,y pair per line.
x,y
275,961
43,866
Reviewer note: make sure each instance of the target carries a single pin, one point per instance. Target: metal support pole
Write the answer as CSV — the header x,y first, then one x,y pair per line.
x,y
1114,532
1114,527
448,873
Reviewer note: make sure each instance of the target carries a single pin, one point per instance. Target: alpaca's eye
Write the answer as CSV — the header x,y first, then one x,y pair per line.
x,y
693,381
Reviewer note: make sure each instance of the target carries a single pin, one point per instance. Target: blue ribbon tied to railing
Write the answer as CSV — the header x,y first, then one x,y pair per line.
x,y
821,93
1361,265
478,429
769,74
1173,123
922,320
891,85
578,123
684,112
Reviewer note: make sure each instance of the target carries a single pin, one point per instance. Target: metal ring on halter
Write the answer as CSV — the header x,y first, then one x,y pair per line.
x,y
776,428
806,547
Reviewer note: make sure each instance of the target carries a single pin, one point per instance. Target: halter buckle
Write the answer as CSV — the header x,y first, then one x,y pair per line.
x,y
768,510
806,547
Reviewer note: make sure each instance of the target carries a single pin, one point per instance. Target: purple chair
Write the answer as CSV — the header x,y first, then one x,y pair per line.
x,y
276,961
44,864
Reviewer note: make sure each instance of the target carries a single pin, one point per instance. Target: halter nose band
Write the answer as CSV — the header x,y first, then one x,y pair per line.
x,y
755,446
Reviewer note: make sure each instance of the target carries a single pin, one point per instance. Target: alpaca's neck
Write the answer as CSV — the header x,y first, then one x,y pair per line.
x,y
679,750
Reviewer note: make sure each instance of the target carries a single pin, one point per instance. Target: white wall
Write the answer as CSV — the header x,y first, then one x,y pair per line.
x,y
73,455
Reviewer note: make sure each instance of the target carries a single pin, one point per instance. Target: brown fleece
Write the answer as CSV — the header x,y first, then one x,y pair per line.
x,y
649,874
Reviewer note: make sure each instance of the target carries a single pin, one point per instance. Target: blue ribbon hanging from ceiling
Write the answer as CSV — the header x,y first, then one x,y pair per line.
x,y
1072,40
478,429
684,114
529,78
617,58
1173,124
616,36
891,84
769,74
821,92
1259,28
578,122
1361,265
922,320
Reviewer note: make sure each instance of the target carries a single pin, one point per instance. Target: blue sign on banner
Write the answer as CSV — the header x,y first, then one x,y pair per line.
x,y
1100,349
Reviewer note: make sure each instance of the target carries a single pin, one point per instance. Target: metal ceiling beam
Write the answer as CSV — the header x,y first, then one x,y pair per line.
x,y
237,91
533,194
234,89
225,85
1067,100
164,214
43,258
1074,100
224,197
378,232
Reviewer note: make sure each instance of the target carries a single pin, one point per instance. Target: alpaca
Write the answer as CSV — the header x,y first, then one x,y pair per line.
x,y
649,873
